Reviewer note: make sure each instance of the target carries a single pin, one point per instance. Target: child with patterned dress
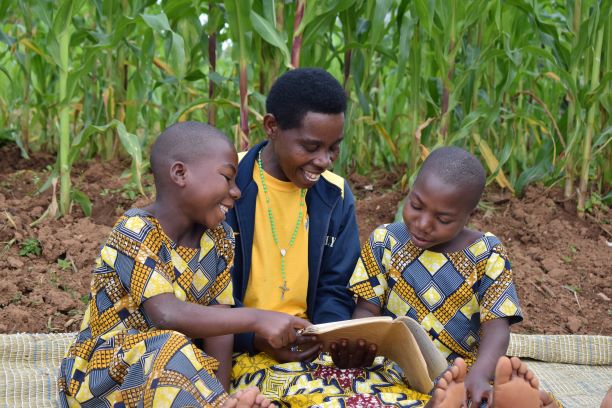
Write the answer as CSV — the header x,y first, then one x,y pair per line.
x,y
162,279
455,281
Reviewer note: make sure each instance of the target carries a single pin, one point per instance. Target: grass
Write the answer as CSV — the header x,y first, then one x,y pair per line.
x,y
30,246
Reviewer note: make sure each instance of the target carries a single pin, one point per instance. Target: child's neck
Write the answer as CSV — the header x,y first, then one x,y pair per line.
x,y
464,239
182,231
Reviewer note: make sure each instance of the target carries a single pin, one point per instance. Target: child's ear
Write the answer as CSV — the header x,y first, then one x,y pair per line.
x,y
270,126
178,173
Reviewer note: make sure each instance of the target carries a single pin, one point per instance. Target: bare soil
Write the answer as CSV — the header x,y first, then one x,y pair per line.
x,y
562,263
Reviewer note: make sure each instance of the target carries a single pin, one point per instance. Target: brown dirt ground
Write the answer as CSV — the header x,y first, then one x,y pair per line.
x,y
561,262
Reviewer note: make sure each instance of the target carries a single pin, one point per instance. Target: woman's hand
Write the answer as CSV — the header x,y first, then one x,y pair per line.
x,y
358,355
278,329
304,348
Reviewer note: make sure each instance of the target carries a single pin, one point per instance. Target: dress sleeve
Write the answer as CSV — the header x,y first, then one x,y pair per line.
x,y
497,293
132,251
221,289
369,279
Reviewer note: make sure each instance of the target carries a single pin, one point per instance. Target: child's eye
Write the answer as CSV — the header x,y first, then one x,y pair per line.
x,y
445,222
310,148
226,178
414,206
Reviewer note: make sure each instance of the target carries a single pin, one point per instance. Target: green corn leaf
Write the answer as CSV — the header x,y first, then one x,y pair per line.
x,y
177,55
542,169
5,72
158,22
422,9
267,31
83,201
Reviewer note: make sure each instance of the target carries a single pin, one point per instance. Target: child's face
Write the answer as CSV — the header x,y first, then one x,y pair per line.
x,y
210,186
303,153
435,213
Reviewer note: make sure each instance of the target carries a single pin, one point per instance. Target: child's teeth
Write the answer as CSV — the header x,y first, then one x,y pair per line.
x,y
312,176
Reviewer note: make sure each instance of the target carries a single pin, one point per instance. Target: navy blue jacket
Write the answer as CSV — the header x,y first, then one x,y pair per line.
x,y
333,245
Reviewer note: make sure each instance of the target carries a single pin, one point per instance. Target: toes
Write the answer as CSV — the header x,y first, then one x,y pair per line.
x,y
516,363
260,399
461,368
442,383
438,395
535,383
230,403
503,369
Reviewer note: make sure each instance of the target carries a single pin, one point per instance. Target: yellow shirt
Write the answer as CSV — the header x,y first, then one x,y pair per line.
x,y
263,290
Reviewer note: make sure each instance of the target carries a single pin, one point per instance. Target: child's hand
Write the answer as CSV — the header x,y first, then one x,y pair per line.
x,y
361,354
278,329
477,388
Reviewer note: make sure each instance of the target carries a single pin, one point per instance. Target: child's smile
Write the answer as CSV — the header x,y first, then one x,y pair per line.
x,y
302,154
212,190
312,177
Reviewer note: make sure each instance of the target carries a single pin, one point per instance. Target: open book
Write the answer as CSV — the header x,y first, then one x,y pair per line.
x,y
402,340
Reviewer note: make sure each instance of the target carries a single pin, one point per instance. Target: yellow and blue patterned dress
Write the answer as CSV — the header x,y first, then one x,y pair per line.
x,y
450,294
119,359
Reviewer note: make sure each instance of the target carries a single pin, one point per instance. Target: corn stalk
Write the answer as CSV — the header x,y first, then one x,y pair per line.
x,y
572,125
238,17
297,33
62,33
502,79
587,143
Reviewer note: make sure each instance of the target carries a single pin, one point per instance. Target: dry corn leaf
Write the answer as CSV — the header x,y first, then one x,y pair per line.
x,y
492,163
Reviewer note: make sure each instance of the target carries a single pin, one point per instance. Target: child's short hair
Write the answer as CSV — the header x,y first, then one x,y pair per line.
x,y
457,167
183,141
303,90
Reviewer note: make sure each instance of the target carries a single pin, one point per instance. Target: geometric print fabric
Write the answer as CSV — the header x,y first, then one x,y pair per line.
x,y
118,358
320,384
450,294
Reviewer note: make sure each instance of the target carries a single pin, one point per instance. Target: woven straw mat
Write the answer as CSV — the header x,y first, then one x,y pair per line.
x,y
576,369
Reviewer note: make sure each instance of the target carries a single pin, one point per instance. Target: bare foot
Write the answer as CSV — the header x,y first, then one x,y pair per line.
x,y
548,401
515,385
450,390
249,398
607,401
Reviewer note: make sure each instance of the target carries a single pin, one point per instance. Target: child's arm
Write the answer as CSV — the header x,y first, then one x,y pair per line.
x,y
365,309
493,344
166,311
220,347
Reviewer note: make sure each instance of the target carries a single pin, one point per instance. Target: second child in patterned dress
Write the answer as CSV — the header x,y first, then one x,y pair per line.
x,y
455,281
162,279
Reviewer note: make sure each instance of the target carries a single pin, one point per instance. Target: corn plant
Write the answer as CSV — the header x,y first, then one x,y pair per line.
x,y
524,84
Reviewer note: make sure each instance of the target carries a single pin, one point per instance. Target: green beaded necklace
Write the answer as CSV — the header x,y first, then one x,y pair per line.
x,y
283,251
